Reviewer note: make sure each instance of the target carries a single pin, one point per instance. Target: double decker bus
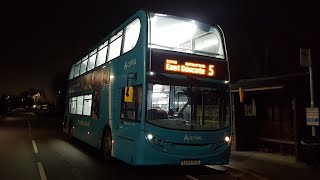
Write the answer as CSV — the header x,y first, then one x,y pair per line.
x,y
154,92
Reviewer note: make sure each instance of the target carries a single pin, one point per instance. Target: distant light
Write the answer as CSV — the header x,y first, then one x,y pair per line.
x,y
111,76
149,136
227,138
59,92
226,82
88,132
152,73
34,106
73,127
112,141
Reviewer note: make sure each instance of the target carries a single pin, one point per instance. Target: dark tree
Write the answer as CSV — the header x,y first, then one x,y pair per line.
x,y
59,87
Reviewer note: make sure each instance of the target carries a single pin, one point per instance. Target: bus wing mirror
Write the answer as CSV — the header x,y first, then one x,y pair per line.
x,y
128,94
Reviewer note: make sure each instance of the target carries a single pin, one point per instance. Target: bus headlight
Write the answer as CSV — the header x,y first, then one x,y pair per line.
x,y
154,139
149,137
227,139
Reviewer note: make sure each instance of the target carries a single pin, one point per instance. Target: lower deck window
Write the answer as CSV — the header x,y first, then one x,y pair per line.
x,y
81,105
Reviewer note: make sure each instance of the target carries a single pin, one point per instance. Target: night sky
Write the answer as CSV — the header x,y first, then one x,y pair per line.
x,y
40,40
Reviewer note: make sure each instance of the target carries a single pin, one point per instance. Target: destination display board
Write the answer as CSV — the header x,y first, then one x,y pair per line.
x,y
179,63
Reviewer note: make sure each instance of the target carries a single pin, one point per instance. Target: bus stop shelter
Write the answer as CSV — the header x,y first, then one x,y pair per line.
x,y
271,117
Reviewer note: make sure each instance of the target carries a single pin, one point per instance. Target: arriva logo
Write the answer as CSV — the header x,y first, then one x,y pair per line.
x,y
129,64
192,138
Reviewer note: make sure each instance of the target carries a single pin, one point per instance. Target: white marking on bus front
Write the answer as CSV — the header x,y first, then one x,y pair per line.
x,y
191,177
41,171
35,147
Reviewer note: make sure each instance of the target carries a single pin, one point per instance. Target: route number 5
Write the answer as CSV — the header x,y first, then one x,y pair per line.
x,y
211,70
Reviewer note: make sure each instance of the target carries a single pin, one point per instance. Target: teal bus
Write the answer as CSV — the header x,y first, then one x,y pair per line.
x,y
155,91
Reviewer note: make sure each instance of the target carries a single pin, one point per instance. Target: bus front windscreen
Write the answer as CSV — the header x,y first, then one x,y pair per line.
x,y
188,107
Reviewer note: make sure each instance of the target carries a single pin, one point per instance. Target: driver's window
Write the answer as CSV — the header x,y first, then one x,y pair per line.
x,y
165,101
158,101
160,97
180,102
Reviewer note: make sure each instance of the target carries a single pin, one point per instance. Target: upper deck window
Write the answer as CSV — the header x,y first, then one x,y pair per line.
x,y
102,54
185,35
92,60
77,69
131,35
71,75
83,66
115,46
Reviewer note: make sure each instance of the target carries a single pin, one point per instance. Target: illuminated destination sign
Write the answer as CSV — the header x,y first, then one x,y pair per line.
x,y
189,67
168,62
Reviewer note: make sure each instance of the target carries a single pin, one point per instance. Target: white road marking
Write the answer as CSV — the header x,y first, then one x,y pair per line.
x,y
41,171
218,167
35,147
29,128
191,177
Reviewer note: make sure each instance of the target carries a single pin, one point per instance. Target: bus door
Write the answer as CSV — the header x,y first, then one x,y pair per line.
x,y
130,117
101,115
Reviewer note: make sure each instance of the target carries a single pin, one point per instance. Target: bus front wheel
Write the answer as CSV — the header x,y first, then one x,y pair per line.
x,y
106,144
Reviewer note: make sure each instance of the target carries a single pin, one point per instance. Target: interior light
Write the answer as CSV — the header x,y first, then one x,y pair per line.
x,y
157,86
173,35
159,95
152,73
149,136
207,43
161,15
160,102
226,82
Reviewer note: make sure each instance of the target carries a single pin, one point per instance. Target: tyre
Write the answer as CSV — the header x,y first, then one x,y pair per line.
x,y
106,144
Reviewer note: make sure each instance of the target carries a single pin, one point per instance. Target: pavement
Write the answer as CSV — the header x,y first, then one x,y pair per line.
x,y
271,166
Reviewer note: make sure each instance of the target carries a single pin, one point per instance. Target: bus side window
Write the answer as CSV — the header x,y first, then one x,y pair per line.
x,y
132,110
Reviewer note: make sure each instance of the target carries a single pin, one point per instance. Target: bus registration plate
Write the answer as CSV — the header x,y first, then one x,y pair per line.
x,y
190,162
